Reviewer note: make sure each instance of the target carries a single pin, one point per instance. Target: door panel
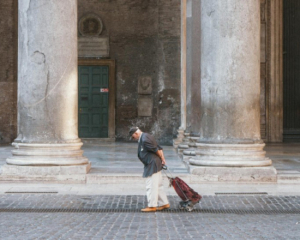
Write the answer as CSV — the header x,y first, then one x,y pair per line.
x,y
93,103
291,71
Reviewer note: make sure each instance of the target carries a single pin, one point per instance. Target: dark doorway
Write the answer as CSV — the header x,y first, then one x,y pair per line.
x,y
291,71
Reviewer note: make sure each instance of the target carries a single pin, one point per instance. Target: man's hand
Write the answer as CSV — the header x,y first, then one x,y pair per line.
x,y
163,161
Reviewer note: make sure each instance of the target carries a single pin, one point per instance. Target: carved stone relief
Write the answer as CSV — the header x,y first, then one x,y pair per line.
x,y
90,25
90,43
145,85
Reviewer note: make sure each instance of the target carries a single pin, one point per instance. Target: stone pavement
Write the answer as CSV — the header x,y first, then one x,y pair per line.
x,y
247,217
163,226
111,210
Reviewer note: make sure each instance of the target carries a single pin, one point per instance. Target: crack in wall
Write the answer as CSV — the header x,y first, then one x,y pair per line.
x,y
54,87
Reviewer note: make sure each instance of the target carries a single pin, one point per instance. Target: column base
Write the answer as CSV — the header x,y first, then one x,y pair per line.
x,y
60,174
230,155
187,142
233,174
43,154
188,147
179,139
187,155
181,147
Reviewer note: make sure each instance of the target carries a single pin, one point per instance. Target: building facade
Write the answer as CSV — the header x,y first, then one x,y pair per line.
x,y
221,73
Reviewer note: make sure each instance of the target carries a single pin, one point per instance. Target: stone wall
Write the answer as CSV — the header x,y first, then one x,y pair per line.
x,y
144,38
8,70
145,42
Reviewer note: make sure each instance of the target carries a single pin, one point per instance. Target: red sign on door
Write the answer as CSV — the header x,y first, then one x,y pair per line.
x,y
104,90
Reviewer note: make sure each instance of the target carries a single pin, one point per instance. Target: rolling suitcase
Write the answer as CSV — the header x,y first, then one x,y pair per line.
x,y
189,197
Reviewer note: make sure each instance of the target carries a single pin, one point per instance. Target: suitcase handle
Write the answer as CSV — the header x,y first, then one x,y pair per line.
x,y
166,169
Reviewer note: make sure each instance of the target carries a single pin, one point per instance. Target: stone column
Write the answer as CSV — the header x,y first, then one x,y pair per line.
x,y
182,127
275,70
230,86
47,86
187,51
193,78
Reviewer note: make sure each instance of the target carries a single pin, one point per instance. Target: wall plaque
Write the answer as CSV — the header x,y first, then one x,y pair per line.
x,y
90,25
127,112
145,105
145,85
93,47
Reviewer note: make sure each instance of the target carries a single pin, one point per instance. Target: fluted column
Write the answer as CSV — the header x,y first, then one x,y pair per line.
x,y
230,85
182,127
47,85
194,91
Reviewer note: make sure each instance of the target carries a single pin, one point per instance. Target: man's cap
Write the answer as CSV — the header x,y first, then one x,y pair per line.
x,y
132,131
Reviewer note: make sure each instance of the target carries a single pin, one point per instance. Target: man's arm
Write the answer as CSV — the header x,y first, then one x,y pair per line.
x,y
160,153
151,145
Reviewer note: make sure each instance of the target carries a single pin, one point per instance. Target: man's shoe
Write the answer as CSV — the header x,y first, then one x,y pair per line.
x,y
149,209
163,207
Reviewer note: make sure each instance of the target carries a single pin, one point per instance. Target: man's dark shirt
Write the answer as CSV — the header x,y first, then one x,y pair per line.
x,y
147,154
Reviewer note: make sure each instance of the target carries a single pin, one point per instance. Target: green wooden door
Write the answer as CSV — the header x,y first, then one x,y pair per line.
x,y
93,101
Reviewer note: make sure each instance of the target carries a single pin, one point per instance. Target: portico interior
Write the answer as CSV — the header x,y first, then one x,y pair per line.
x,y
169,55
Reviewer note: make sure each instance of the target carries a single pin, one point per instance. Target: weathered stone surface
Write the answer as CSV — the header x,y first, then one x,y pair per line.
x,y
227,174
8,111
44,171
145,106
230,85
145,85
43,154
90,25
145,41
69,179
8,70
193,117
230,155
47,85
230,71
47,77
127,112
93,47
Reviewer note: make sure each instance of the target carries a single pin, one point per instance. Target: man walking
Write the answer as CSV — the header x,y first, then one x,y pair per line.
x,y
152,156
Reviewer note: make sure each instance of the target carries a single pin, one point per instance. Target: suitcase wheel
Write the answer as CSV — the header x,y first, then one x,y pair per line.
x,y
186,205
189,208
181,205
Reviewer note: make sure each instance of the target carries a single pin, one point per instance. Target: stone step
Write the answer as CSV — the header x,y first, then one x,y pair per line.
x,y
288,176
126,178
133,178
218,175
65,179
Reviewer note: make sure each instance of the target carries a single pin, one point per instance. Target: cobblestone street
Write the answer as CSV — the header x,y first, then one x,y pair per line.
x,y
42,216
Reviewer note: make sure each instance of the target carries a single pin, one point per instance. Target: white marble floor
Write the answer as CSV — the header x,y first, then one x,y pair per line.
x,y
118,158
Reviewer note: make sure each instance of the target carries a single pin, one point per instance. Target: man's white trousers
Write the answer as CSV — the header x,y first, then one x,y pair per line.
x,y
155,191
